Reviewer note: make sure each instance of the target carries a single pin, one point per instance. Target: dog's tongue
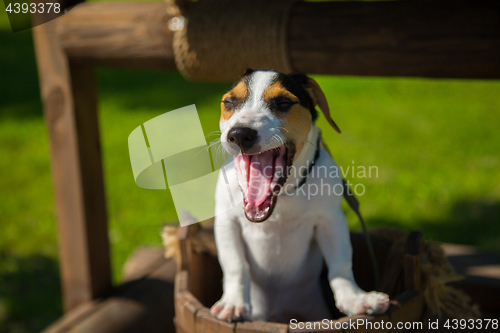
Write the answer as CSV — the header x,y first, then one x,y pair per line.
x,y
255,173
260,178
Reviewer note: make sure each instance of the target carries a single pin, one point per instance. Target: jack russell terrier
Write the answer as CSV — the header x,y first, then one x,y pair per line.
x,y
272,269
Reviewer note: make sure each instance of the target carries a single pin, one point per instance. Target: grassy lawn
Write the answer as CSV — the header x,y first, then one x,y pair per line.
x,y
436,144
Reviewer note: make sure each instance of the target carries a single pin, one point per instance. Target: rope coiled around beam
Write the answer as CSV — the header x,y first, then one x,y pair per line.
x,y
220,39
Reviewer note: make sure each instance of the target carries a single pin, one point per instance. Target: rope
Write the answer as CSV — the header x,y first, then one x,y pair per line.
x,y
220,39
354,204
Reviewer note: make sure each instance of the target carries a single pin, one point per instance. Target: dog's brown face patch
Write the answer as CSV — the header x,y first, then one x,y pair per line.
x,y
296,119
232,99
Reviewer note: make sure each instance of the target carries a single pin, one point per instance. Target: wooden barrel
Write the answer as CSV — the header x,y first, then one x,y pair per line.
x,y
198,285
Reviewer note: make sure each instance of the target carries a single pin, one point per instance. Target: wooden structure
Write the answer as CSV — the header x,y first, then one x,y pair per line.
x,y
197,287
454,39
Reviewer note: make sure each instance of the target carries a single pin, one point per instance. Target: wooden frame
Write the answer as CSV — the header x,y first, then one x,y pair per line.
x,y
457,39
69,99
198,276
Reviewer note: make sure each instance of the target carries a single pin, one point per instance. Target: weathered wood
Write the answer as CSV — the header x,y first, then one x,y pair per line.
x,y
70,105
316,327
412,273
406,308
482,276
141,305
206,323
356,319
357,323
185,317
456,39
260,327
193,316
132,35
186,305
205,281
142,262
378,323
74,317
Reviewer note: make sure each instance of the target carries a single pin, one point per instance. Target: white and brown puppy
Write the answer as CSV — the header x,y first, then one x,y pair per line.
x,y
272,269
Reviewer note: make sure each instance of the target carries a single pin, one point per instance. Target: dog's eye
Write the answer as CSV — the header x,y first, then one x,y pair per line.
x,y
283,104
228,103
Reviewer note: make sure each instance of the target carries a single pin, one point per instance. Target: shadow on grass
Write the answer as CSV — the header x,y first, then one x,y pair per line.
x,y
19,93
468,222
30,296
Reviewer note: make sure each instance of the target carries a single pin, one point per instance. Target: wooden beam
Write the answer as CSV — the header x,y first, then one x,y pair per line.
x,y
69,98
130,35
448,38
145,303
455,39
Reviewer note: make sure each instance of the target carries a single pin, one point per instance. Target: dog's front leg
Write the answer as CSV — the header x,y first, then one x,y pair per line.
x,y
235,301
333,238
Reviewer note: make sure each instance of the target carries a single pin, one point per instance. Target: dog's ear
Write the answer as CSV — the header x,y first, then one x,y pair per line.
x,y
249,71
317,95
319,98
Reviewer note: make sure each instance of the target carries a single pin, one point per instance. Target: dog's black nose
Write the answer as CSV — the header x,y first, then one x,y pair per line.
x,y
242,136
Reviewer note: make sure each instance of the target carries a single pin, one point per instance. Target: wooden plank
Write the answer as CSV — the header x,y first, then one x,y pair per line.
x,y
356,323
181,281
186,309
72,318
142,262
359,321
69,100
412,273
408,307
186,305
206,323
448,38
318,326
260,327
456,39
378,323
115,315
482,275
132,35
205,278
143,305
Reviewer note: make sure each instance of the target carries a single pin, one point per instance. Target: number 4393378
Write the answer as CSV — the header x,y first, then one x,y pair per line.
x,y
47,7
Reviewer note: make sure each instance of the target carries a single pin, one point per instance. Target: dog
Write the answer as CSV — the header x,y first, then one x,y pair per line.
x,y
272,247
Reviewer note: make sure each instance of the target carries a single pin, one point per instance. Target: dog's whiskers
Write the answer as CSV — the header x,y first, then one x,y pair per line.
x,y
279,139
213,133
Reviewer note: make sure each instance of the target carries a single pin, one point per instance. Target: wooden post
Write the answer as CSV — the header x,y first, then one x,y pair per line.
x,y
415,245
69,98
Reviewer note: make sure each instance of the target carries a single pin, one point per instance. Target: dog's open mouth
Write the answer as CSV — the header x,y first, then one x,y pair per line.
x,y
261,177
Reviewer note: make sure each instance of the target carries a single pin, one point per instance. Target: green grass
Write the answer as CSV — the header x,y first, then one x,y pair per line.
x,y
435,142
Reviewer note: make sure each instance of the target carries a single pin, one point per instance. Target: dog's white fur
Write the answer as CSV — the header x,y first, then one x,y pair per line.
x,y
271,269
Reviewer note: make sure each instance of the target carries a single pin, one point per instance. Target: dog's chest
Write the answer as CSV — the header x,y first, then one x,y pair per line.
x,y
278,246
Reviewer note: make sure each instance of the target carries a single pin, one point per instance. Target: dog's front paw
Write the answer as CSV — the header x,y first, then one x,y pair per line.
x,y
369,303
231,311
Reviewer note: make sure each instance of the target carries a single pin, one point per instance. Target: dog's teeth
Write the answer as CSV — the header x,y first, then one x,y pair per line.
x,y
266,210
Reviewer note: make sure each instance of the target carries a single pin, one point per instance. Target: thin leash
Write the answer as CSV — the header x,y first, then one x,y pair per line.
x,y
353,203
